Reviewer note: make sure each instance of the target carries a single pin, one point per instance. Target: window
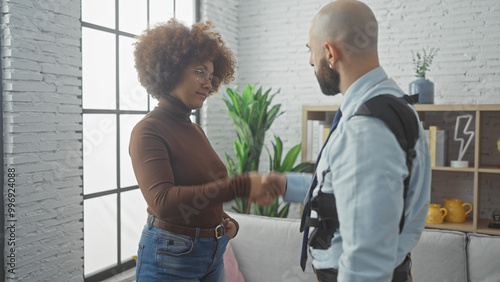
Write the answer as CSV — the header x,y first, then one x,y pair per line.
x,y
113,102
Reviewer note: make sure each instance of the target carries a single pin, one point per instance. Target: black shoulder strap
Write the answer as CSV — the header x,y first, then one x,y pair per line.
x,y
401,120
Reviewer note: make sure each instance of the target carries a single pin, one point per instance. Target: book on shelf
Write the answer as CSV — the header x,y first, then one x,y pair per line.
x,y
437,139
317,132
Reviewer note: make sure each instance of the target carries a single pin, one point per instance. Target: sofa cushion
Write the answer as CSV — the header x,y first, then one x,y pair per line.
x,y
268,249
232,271
440,256
483,255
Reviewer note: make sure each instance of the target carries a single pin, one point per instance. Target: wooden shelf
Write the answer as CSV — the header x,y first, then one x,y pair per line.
x,y
419,108
482,227
445,115
489,169
466,226
456,169
314,108
456,108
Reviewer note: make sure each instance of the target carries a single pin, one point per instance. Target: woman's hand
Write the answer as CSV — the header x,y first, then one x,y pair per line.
x,y
263,194
230,228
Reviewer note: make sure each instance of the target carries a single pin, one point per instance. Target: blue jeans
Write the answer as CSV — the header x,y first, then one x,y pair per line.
x,y
167,256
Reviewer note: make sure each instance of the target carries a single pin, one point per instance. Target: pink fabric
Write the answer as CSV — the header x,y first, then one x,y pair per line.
x,y
233,273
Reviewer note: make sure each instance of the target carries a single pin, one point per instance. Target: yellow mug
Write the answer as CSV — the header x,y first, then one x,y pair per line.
x,y
456,210
436,214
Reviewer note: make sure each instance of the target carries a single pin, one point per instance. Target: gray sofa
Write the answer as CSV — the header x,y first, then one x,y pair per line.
x,y
268,249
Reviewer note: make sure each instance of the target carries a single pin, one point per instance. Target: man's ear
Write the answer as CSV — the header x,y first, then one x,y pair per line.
x,y
332,54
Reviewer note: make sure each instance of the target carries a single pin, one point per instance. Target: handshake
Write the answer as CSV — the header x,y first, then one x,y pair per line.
x,y
265,188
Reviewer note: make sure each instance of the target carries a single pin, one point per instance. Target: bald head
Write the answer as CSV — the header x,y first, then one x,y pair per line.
x,y
348,23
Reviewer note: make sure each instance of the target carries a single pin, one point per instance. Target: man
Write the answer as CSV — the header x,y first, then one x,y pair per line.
x,y
362,163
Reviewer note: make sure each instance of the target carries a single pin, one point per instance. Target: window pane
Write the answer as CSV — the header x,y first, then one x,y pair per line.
x,y
160,11
133,16
184,11
98,69
127,123
134,215
132,95
192,117
152,103
99,153
100,233
99,12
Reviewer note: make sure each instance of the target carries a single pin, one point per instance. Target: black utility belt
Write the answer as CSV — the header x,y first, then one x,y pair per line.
x,y
401,273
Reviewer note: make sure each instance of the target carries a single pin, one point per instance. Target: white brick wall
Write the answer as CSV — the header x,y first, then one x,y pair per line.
x,y
41,61
215,122
466,69
224,15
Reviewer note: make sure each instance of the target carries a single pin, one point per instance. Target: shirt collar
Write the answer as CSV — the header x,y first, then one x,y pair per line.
x,y
354,94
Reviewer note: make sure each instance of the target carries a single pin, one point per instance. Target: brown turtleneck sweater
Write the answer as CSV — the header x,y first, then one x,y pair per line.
x,y
181,177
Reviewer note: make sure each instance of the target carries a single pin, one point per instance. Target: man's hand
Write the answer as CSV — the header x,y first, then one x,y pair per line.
x,y
273,181
264,194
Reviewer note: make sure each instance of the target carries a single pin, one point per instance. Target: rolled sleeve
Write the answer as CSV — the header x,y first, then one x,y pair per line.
x,y
297,186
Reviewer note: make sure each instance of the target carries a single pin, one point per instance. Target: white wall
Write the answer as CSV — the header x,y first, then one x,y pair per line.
x,y
41,60
224,15
467,67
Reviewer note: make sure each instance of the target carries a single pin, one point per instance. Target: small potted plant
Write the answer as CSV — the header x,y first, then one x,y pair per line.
x,y
422,86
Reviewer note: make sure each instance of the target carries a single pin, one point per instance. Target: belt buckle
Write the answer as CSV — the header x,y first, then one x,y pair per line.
x,y
221,226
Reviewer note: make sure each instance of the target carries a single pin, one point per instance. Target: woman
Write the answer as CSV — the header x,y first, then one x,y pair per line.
x,y
181,177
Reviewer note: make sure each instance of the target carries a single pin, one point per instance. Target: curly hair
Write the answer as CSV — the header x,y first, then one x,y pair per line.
x,y
165,51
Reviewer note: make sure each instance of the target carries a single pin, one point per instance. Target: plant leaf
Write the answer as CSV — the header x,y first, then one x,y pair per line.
x,y
236,101
256,209
283,213
290,158
301,167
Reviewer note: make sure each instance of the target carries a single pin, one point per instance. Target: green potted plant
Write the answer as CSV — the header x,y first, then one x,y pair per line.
x,y
252,115
422,86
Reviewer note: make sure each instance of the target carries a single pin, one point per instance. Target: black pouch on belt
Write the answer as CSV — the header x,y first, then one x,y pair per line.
x,y
326,223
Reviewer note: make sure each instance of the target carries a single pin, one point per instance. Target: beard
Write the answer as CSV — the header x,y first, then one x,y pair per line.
x,y
328,79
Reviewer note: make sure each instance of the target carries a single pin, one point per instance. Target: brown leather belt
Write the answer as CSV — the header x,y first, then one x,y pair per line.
x,y
216,232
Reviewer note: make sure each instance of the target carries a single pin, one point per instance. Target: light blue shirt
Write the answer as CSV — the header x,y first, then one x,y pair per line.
x,y
367,170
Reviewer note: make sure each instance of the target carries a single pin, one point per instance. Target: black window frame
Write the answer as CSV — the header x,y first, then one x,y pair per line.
x,y
121,266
